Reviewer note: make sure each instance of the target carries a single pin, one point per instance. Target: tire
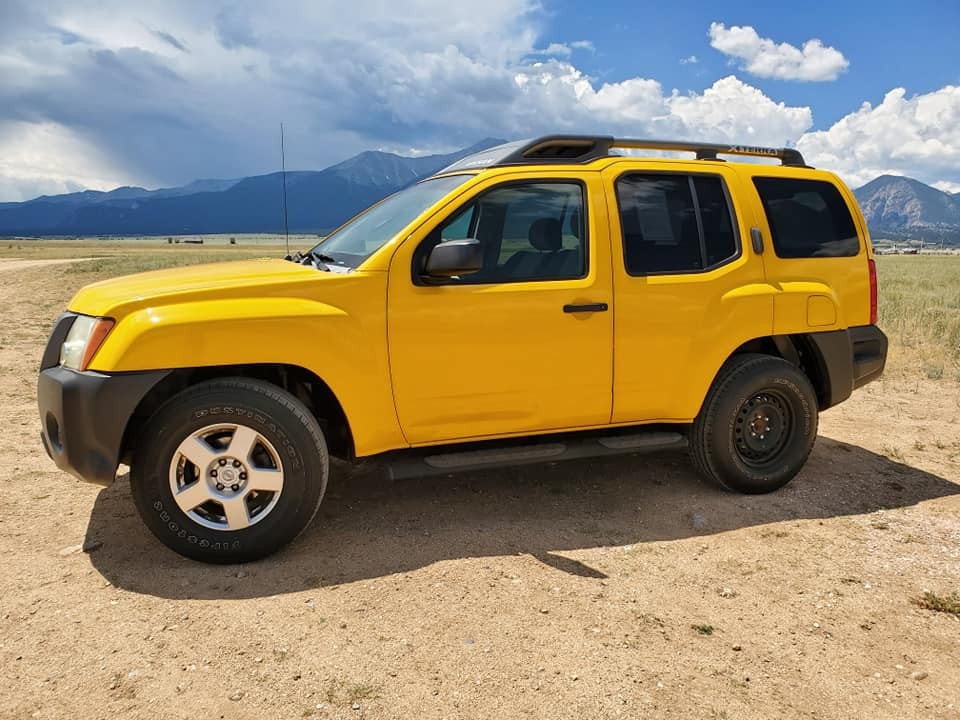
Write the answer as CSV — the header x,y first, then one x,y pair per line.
x,y
229,470
757,425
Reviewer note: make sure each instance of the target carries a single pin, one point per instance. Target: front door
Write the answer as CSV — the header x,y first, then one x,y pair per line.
x,y
525,344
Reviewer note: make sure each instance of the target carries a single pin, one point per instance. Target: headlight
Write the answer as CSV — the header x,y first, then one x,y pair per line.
x,y
84,339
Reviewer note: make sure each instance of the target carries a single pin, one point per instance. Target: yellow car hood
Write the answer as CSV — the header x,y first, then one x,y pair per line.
x,y
226,280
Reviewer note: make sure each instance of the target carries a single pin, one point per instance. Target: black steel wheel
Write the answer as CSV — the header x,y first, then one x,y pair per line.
x,y
757,425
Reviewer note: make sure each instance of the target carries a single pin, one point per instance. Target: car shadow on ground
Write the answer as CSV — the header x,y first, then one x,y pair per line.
x,y
368,527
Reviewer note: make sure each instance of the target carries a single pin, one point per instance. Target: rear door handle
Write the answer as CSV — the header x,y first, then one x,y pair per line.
x,y
588,307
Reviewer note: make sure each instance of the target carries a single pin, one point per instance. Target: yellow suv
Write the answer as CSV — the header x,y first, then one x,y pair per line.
x,y
538,301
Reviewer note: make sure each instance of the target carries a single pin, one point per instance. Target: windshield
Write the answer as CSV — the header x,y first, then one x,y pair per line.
x,y
359,238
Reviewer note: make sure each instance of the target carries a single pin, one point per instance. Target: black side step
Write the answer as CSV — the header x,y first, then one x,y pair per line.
x,y
475,456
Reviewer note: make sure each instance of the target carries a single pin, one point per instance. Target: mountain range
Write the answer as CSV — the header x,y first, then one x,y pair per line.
x,y
317,201
895,207
901,208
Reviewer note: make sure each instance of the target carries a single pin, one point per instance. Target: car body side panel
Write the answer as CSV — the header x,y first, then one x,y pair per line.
x,y
341,339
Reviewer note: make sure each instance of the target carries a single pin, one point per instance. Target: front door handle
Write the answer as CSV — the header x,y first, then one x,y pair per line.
x,y
588,307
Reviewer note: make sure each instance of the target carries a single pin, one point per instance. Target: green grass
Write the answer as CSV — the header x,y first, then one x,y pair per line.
x,y
919,308
704,629
338,692
144,262
949,604
112,258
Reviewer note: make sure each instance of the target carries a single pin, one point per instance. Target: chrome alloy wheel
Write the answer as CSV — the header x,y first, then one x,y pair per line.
x,y
226,476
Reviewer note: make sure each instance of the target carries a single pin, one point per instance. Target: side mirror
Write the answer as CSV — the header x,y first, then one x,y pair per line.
x,y
455,257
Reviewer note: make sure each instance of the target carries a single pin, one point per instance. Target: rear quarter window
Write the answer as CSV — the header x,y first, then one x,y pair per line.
x,y
808,218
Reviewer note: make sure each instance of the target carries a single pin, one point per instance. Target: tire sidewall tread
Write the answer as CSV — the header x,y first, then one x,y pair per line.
x,y
278,416
712,444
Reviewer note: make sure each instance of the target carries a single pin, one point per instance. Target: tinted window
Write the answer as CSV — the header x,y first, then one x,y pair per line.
x,y
674,223
529,231
720,237
808,218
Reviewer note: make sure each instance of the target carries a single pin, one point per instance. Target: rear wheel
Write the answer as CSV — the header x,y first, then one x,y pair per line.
x,y
229,470
757,425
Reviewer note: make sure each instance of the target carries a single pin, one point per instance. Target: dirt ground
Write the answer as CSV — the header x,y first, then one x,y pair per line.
x,y
593,589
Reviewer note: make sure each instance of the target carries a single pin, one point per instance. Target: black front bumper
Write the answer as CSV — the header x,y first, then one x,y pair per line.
x,y
84,416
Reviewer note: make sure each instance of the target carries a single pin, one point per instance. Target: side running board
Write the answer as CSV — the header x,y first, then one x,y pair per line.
x,y
420,462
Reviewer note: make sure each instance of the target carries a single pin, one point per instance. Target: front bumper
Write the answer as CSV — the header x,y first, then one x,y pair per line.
x,y
84,416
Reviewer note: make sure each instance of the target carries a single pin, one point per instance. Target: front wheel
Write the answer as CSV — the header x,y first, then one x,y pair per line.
x,y
757,425
229,470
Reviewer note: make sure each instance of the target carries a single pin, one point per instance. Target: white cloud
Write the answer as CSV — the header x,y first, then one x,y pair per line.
x,y
49,159
565,50
96,97
416,73
558,49
948,187
917,136
765,58
691,60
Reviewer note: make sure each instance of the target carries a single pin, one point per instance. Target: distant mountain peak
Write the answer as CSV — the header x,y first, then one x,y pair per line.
x,y
318,200
902,206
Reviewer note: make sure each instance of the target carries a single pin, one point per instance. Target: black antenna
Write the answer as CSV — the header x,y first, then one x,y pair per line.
x,y
283,168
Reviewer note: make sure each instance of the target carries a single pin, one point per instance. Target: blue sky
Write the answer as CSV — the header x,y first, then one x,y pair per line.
x,y
100,94
915,45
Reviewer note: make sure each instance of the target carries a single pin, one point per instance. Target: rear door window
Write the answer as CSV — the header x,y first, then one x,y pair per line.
x,y
808,218
675,223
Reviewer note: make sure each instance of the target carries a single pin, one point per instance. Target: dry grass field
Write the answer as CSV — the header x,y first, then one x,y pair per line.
x,y
590,589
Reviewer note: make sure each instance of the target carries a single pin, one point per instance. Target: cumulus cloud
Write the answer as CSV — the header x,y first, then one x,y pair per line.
x,y
948,187
917,136
414,74
765,58
47,158
129,107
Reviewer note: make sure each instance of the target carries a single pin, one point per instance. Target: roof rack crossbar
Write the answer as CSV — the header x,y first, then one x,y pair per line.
x,y
584,148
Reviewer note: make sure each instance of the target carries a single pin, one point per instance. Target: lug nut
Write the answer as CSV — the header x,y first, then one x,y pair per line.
x,y
213,473
223,461
236,463
243,476
219,486
234,487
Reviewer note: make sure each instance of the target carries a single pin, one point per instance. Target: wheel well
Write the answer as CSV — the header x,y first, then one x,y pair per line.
x,y
796,349
311,390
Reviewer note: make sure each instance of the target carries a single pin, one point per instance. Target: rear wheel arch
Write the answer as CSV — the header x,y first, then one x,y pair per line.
x,y
798,350
303,384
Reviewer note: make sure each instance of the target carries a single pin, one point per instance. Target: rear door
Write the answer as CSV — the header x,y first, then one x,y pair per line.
x,y
688,288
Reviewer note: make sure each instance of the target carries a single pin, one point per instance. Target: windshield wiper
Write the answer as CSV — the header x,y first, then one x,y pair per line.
x,y
321,257
314,259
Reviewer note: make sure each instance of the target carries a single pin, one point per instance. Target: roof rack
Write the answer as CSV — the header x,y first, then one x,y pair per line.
x,y
584,148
